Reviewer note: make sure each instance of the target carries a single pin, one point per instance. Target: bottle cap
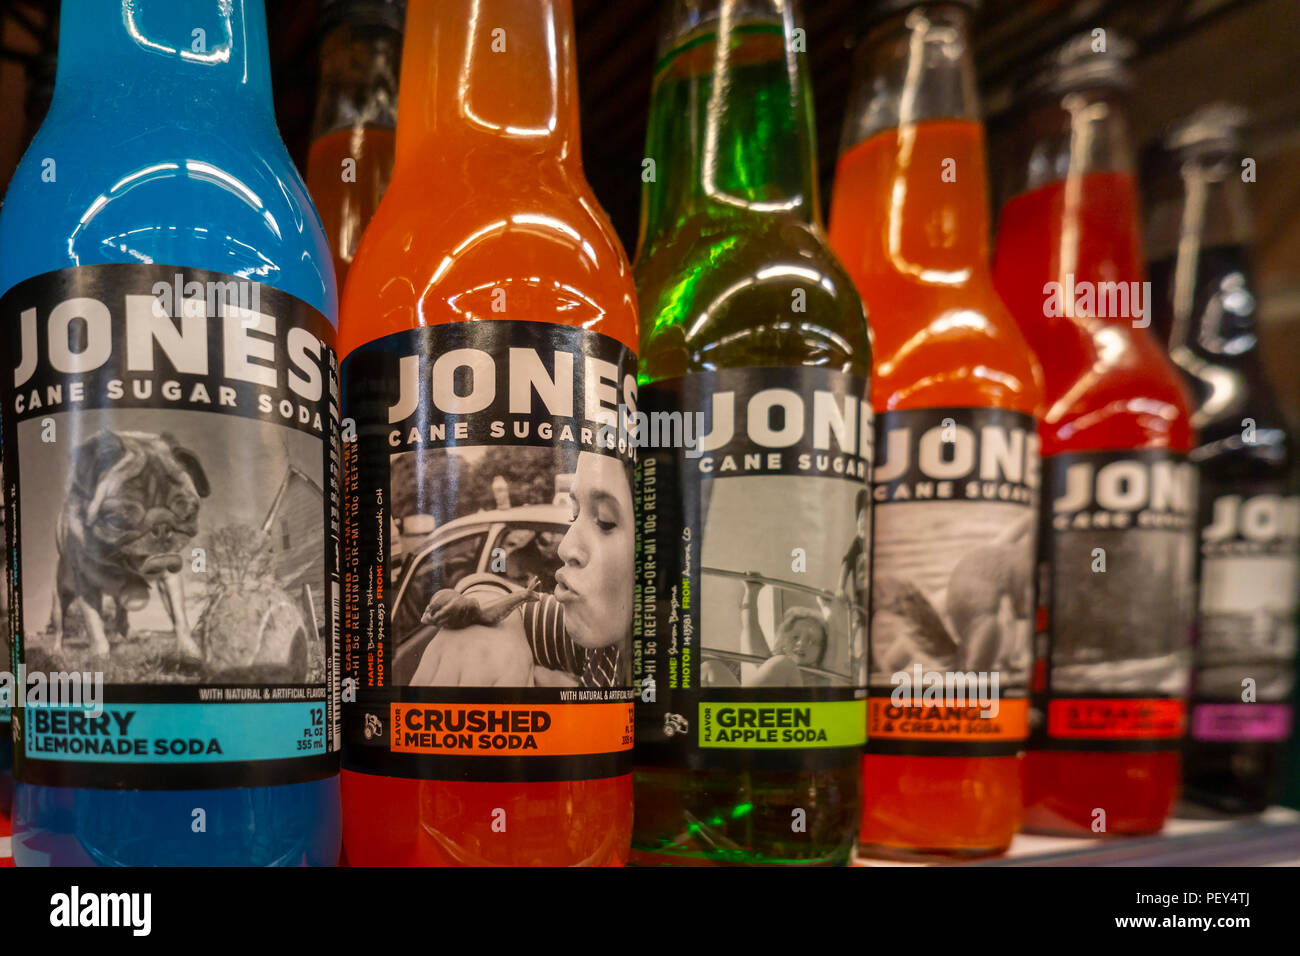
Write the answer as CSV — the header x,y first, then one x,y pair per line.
x,y
1078,64
1215,126
389,13
884,9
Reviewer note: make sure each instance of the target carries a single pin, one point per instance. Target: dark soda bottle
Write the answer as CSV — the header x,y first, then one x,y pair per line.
x,y
750,628
6,729
1118,502
1200,239
354,131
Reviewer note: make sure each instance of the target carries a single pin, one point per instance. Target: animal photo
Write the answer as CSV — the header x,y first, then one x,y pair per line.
x,y
965,604
173,546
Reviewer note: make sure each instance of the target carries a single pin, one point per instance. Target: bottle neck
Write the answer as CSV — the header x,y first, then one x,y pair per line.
x,y
360,62
1075,204
913,67
1208,207
1067,137
151,55
731,128
1211,288
912,166
488,76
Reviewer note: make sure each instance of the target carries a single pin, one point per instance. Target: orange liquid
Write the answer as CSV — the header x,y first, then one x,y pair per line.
x,y
474,208
346,207
917,248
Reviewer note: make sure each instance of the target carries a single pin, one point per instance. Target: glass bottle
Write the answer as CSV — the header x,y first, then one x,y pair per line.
x,y
6,709
751,587
956,388
157,223
353,134
1115,582
489,337
1200,241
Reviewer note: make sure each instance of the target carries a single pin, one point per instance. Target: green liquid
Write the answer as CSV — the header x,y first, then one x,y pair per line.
x,y
734,271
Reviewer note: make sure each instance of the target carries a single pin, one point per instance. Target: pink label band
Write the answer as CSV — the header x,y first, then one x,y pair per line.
x,y
1222,722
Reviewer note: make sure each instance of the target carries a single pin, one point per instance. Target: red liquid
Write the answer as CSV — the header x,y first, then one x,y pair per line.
x,y
1109,387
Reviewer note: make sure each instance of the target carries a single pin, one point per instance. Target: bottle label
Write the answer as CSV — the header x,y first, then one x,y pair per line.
x,y
170,455
955,492
1113,654
750,627
6,646
1246,622
488,539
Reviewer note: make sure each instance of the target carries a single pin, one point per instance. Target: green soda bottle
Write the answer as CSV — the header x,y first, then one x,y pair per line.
x,y
755,433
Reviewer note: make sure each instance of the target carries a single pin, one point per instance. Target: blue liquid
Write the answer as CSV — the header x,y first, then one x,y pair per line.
x,y
168,158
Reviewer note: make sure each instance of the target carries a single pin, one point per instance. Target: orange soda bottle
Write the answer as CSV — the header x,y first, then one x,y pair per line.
x,y
955,389
487,521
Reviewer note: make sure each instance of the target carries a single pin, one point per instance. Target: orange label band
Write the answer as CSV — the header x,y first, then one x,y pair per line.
x,y
1117,719
553,730
914,720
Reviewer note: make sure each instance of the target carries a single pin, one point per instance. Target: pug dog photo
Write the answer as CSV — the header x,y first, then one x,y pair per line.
x,y
131,510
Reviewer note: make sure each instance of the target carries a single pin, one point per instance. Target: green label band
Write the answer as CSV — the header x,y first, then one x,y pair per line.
x,y
778,726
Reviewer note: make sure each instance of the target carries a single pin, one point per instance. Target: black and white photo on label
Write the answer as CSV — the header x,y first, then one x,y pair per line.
x,y
4,577
1247,626
511,567
1125,629
783,575
168,546
953,589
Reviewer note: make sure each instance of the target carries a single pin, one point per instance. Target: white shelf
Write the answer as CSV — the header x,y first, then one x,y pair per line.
x,y
1270,839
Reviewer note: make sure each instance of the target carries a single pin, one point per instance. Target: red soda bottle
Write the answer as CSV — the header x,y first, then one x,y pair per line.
x,y
1118,494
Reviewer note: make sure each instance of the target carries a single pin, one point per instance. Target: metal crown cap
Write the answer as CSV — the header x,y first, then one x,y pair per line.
x,y
1076,66
884,9
390,13
1213,126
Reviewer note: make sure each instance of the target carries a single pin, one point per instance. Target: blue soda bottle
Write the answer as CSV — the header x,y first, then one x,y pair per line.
x,y
170,449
